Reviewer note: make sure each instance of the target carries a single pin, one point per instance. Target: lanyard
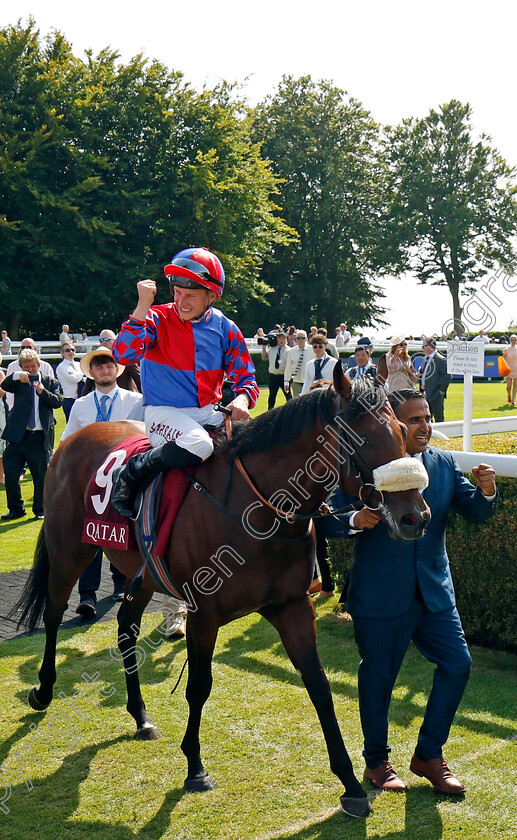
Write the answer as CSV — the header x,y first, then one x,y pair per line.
x,y
100,418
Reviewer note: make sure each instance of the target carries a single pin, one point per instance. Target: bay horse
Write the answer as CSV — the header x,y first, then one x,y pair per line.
x,y
245,545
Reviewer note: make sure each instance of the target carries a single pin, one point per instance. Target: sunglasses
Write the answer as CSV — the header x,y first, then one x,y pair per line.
x,y
106,339
70,350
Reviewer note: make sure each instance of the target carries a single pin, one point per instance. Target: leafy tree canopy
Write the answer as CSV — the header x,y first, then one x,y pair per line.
x,y
324,146
453,210
106,170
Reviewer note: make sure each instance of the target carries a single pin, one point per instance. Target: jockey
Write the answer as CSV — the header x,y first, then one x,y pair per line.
x,y
185,348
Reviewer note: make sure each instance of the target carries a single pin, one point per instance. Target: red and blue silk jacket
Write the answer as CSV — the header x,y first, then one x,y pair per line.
x,y
183,362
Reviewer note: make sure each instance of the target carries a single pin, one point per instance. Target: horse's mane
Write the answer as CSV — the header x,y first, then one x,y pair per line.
x,y
285,424
366,395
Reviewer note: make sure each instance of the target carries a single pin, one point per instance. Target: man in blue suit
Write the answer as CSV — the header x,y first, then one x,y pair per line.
x,y
402,591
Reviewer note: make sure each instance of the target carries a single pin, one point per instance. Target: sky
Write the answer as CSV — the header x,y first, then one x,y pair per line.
x,y
399,58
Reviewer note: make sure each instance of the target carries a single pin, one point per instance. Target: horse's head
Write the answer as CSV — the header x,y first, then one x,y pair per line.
x,y
370,448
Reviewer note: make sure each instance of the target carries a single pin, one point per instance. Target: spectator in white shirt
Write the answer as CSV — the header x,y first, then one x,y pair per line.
x,y
321,367
346,334
482,336
64,335
297,358
69,374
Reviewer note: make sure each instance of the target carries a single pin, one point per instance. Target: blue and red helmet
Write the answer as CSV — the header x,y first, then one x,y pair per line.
x,y
196,268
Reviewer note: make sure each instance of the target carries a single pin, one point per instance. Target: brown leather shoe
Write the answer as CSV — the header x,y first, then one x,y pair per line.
x,y
438,773
385,778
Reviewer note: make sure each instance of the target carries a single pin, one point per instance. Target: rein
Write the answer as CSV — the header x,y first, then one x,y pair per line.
x,y
291,518
355,461
320,512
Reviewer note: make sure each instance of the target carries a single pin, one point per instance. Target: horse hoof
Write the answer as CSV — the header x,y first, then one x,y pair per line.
x,y
35,704
356,807
148,733
199,784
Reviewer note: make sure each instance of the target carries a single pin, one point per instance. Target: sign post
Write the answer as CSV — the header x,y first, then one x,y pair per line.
x,y
467,358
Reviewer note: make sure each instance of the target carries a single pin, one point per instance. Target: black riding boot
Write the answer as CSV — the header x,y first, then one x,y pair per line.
x,y
127,480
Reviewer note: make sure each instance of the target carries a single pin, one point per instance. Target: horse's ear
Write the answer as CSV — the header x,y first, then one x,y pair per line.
x,y
342,383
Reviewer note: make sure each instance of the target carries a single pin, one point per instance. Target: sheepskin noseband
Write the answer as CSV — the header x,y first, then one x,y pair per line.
x,y
401,474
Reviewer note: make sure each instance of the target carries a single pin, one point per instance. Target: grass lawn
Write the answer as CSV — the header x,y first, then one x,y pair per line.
x,y
75,772
260,740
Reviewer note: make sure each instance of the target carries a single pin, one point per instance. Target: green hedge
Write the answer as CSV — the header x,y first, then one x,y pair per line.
x,y
484,568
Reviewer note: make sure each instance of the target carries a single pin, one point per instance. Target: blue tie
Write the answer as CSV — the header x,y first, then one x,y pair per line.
x,y
424,371
32,416
317,369
104,399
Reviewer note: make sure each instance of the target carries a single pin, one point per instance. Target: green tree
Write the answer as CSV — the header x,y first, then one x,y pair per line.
x,y
47,220
453,201
107,169
324,147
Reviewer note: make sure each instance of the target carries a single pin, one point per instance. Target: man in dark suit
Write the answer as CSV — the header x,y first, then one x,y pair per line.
x,y
363,365
402,591
29,431
434,379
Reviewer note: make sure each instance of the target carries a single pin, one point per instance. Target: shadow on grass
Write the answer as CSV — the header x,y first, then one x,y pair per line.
x,y
422,822
506,407
338,652
243,652
58,797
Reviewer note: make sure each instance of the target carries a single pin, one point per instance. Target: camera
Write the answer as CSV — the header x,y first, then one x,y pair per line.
x,y
33,377
269,340
272,337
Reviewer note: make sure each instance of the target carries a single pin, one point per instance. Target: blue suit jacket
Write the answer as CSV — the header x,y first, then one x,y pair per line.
x,y
385,572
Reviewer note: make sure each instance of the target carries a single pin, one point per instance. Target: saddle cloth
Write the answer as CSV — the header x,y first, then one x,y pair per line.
x,y
106,528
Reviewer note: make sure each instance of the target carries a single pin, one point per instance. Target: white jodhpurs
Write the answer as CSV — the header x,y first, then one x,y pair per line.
x,y
184,426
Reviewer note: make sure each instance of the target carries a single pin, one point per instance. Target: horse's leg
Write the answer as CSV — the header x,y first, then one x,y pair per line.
x,y
41,698
295,624
201,638
129,618
57,580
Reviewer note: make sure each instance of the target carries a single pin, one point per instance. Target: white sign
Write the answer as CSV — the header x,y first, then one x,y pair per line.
x,y
466,357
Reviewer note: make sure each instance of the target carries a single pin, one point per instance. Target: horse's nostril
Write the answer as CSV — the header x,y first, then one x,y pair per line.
x,y
410,520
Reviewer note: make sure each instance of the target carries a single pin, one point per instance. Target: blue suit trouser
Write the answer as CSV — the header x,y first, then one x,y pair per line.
x,y
382,646
90,579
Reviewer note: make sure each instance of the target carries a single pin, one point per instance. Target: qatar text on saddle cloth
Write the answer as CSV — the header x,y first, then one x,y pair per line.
x,y
106,528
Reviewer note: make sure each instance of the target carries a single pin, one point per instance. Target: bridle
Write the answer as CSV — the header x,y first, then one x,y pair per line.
x,y
348,440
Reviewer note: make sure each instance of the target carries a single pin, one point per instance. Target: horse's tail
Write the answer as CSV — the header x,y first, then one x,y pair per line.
x,y
33,598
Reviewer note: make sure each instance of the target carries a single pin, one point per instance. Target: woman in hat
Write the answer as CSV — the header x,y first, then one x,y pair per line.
x,y
396,369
